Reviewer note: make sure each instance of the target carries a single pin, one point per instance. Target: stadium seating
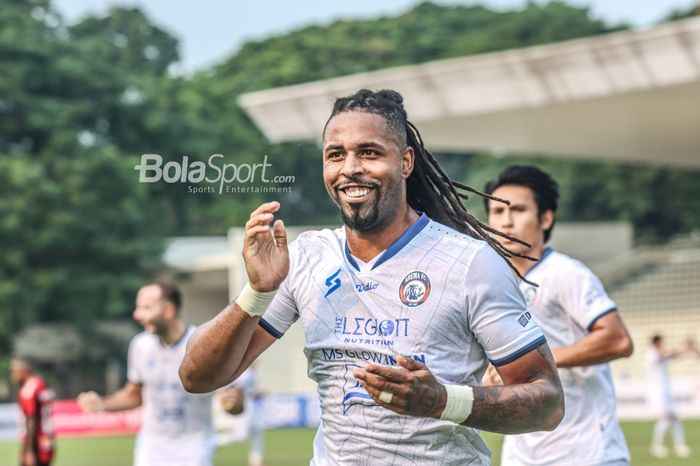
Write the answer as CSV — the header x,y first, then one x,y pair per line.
x,y
661,297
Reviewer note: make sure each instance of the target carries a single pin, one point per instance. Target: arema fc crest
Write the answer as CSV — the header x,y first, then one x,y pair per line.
x,y
414,289
530,295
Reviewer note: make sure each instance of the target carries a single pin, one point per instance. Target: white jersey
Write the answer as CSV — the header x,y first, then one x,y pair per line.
x,y
659,385
435,295
176,426
568,301
232,428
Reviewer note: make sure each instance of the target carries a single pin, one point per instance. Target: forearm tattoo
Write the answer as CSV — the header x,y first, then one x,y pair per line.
x,y
534,405
423,399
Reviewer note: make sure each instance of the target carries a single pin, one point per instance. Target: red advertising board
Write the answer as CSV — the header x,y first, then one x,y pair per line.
x,y
69,420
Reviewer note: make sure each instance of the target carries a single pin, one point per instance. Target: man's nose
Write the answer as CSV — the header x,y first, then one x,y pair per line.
x,y
352,165
506,219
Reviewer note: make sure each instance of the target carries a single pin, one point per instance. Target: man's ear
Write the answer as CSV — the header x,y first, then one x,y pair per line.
x,y
547,219
170,310
407,159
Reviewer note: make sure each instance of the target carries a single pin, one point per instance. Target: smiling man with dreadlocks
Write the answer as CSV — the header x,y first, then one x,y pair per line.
x,y
402,308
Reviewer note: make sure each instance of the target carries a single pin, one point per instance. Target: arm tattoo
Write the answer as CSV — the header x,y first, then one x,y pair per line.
x,y
422,398
535,404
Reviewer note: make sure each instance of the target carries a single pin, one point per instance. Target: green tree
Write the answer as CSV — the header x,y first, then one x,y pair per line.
x,y
77,230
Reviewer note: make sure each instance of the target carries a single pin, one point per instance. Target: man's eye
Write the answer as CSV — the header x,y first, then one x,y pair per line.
x,y
369,152
333,155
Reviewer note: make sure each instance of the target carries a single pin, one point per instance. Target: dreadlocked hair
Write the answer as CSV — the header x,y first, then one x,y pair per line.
x,y
428,188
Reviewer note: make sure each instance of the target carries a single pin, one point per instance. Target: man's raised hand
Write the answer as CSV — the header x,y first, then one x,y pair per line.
x,y
265,249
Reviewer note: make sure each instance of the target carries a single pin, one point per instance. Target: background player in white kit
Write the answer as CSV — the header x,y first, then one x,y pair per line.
x,y
238,416
400,312
176,426
662,400
580,321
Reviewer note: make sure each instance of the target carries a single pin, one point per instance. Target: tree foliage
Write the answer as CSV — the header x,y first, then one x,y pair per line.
x,y
76,228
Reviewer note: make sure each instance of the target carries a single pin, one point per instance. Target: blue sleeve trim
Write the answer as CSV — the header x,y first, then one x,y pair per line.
x,y
595,319
269,328
521,352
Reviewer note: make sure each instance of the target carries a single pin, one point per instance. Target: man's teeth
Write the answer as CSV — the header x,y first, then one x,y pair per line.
x,y
356,192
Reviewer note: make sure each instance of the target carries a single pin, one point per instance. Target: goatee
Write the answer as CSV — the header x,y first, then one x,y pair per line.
x,y
357,221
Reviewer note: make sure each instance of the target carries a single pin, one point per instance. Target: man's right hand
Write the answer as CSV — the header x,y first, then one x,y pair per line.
x,y
90,402
265,249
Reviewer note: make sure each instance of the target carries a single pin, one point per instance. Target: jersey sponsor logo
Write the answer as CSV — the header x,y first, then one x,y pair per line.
x,y
369,286
414,289
353,392
333,282
524,319
337,354
369,326
592,296
171,413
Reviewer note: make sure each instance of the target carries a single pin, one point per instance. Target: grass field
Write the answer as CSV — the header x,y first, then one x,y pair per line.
x,y
293,447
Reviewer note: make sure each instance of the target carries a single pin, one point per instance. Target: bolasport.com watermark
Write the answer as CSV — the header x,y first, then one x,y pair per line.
x,y
214,176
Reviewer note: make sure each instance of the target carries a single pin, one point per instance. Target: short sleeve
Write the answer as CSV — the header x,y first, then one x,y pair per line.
x,y
583,297
29,396
133,369
282,312
497,313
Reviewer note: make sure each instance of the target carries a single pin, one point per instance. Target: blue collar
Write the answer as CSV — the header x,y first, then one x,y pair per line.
x,y
548,250
396,246
177,342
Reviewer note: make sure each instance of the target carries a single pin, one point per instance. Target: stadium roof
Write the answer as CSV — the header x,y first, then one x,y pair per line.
x,y
197,253
629,96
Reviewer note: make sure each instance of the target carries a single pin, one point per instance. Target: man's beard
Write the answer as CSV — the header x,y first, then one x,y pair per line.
x,y
358,220
368,218
371,215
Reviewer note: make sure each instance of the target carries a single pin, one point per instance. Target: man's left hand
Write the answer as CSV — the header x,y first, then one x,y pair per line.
x,y
409,389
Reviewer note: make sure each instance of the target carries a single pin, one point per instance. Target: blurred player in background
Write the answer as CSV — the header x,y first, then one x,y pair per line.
x,y
237,416
34,399
177,427
402,308
578,318
662,400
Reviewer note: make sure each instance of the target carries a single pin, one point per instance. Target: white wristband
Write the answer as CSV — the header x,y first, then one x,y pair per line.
x,y
254,303
460,399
